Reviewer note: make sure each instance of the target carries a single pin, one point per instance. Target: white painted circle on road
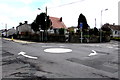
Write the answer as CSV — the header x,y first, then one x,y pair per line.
x,y
57,50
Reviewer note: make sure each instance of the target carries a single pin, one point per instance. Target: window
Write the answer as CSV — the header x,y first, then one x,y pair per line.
x,y
115,32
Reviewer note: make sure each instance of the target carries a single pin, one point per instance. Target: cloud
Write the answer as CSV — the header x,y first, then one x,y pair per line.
x,y
90,8
25,1
20,10
13,15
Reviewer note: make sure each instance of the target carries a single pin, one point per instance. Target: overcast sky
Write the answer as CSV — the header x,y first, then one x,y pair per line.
x,y
14,11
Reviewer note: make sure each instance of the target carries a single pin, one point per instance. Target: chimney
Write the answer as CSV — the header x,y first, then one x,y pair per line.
x,y
113,24
61,19
20,24
26,22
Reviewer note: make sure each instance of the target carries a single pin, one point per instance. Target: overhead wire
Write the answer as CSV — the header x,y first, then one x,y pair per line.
x,y
67,4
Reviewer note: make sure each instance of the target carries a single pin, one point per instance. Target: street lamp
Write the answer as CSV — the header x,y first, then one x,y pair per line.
x,y
101,15
101,24
46,24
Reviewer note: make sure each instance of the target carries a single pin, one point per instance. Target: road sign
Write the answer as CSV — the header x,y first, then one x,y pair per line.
x,y
81,25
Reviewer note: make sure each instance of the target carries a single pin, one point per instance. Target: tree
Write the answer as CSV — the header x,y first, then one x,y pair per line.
x,y
35,27
106,29
49,22
95,31
61,31
42,21
91,31
82,19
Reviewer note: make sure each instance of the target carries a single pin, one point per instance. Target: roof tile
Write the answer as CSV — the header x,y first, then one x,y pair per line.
x,y
56,23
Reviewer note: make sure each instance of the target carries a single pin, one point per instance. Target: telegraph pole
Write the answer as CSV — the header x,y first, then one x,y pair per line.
x,y
46,10
46,25
6,29
95,22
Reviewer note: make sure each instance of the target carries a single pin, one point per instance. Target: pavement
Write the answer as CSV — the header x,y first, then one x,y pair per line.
x,y
18,41
74,64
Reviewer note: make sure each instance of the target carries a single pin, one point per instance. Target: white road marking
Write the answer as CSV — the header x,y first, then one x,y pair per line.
x,y
61,46
116,48
57,50
51,46
92,54
109,46
115,45
47,46
24,54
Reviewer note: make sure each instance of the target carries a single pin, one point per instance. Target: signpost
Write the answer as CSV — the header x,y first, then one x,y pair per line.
x,y
81,25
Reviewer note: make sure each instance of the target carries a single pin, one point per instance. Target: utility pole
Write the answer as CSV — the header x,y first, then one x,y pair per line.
x,y
44,34
95,22
6,29
46,25
46,10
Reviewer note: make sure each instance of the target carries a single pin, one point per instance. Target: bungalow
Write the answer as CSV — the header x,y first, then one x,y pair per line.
x,y
57,24
114,28
4,32
0,33
11,32
73,29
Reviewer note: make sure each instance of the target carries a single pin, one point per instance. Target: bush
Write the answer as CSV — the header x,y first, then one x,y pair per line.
x,y
56,38
61,31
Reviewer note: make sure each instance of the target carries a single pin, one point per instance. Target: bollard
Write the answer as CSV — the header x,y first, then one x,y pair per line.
x,y
12,38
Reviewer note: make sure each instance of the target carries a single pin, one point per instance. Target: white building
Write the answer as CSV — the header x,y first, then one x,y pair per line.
x,y
11,32
24,29
114,28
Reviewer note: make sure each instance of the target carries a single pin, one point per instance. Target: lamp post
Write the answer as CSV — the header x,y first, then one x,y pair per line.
x,y
101,25
6,29
45,25
41,32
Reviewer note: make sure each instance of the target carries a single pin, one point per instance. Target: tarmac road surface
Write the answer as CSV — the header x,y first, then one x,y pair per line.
x,y
73,64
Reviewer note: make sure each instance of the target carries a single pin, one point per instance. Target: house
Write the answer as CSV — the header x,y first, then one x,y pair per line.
x,y
11,32
0,33
3,32
24,30
57,24
73,29
114,28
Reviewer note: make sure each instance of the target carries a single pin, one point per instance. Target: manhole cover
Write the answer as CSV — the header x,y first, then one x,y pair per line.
x,y
57,50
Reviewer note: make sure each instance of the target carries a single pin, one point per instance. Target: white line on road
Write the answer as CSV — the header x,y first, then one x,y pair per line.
x,y
61,46
47,46
24,54
116,48
115,45
109,46
52,46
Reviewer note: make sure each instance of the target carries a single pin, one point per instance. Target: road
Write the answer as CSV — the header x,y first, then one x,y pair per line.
x,y
74,64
